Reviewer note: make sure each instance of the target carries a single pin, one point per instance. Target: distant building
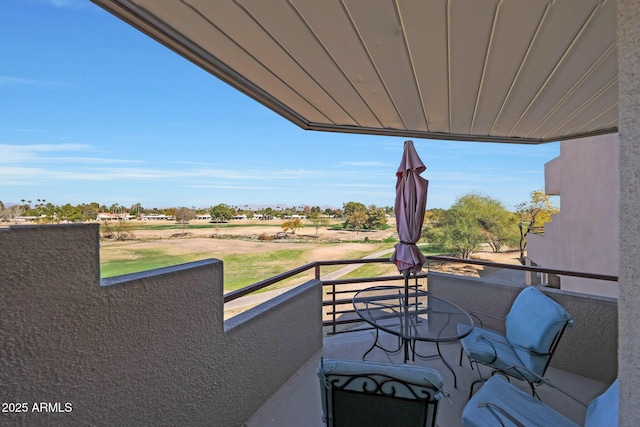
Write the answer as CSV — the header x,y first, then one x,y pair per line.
x,y
262,216
105,216
156,217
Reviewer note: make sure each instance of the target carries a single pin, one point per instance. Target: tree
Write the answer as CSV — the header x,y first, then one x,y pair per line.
x,y
183,216
117,230
136,210
292,224
351,207
89,211
472,220
532,215
433,216
356,220
318,221
69,213
376,218
355,215
497,224
12,213
221,213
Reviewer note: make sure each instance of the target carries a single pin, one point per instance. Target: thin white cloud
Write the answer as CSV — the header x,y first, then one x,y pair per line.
x,y
21,81
387,195
89,160
371,163
46,147
66,4
235,187
467,177
357,185
10,153
34,176
40,153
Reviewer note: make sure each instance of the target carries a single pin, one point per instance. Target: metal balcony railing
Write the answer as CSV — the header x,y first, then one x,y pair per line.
x,y
338,293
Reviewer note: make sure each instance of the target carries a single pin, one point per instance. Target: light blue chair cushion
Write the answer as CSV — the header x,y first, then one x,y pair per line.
x,y
483,345
419,375
526,409
532,323
603,410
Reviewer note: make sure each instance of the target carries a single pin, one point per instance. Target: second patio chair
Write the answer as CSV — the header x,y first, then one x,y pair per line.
x,y
534,325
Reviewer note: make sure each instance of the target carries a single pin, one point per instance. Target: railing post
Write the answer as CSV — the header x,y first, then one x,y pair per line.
x,y
333,310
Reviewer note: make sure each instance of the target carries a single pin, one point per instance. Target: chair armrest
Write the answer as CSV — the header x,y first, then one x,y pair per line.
x,y
504,342
493,409
546,381
477,315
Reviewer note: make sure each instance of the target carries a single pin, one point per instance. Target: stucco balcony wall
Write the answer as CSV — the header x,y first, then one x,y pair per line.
x,y
588,349
143,349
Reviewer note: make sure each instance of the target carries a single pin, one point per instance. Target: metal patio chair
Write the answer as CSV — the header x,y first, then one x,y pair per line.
x,y
368,394
534,325
500,403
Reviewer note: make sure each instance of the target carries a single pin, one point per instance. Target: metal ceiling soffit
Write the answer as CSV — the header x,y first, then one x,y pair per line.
x,y
476,70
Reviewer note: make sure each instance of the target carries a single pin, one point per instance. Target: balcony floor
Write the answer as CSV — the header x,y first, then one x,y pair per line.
x,y
297,403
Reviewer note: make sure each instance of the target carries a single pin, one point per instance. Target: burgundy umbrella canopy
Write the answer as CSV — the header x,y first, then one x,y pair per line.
x,y
411,202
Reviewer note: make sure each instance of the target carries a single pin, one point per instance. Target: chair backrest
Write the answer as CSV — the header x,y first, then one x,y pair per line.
x,y
534,325
361,393
603,410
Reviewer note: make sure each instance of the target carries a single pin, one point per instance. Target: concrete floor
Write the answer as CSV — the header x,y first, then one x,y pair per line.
x,y
297,403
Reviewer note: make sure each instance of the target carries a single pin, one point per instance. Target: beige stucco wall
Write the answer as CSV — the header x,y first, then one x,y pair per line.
x,y
144,349
629,277
584,236
589,348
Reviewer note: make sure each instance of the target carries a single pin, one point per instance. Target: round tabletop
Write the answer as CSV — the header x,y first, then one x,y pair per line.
x,y
419,316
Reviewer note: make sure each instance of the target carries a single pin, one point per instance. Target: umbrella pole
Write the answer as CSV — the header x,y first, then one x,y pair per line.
x,y
405,273
407,320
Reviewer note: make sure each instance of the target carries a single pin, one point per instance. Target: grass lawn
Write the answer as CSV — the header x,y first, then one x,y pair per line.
x,y
240,269
137,260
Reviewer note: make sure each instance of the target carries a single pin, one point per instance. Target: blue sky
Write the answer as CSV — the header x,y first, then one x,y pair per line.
x,y
93,110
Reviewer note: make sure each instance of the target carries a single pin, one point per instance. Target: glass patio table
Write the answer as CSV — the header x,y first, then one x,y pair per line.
x,y
418,316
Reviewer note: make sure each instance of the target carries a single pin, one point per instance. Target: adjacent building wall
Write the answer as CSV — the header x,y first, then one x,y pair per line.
x,y
589,348
144,349
584,236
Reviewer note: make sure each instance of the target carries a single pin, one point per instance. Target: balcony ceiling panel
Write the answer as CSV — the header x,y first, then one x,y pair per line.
x,y
488,70
343,44
516,25
425,25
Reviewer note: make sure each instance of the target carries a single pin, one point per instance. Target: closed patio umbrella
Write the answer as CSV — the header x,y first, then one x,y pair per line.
x,y
410,205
